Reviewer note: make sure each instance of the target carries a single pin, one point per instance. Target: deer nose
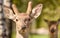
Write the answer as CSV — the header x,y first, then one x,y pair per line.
x,y
52,30
24,27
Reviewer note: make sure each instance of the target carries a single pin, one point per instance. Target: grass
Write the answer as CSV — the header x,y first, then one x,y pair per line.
x,y
36,36
39,36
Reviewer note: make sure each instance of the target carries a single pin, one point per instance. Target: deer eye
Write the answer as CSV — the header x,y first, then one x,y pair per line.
x,y
27,19
16,19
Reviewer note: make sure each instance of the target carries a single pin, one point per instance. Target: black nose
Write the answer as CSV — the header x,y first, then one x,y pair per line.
x,y
24,27
52,30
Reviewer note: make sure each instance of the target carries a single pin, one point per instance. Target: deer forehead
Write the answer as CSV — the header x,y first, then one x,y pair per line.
x,y
23,15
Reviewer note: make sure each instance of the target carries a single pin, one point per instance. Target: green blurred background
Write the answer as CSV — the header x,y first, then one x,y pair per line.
x,y
50,11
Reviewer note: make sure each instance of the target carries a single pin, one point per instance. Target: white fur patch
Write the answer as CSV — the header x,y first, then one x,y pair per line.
x,y
37,10
12,16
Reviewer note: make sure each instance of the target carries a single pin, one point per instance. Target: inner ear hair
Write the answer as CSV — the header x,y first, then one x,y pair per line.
x,y
9,8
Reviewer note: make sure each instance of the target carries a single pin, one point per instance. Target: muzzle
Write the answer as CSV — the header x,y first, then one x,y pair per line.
x,y
52,30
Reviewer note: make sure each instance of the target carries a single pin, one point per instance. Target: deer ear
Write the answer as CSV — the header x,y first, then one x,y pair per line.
x,y
58,20
15,9
9,13
36,11
46,20
29,7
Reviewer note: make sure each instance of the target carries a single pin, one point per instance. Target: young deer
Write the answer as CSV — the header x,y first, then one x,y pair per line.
x,y
53,28
23,20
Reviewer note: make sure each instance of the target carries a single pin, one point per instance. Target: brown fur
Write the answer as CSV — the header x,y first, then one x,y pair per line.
x,y
23,20
53,28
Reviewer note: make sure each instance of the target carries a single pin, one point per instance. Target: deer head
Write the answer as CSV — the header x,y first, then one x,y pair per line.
x,y
52,25
23,19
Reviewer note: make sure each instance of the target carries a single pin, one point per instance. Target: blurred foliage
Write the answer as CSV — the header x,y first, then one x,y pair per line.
x,y
51,9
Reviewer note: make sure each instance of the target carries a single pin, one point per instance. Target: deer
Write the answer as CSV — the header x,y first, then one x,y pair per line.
x,y
53,28
23,20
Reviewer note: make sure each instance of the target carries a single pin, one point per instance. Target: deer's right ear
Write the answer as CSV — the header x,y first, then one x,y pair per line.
x,y
9,13
58,20
46,20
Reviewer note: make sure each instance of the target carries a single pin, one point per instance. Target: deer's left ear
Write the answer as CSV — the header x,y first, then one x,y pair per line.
x,y
36,11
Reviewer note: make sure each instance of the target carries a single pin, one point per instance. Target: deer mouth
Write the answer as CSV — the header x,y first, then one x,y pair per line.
x,y
23,29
